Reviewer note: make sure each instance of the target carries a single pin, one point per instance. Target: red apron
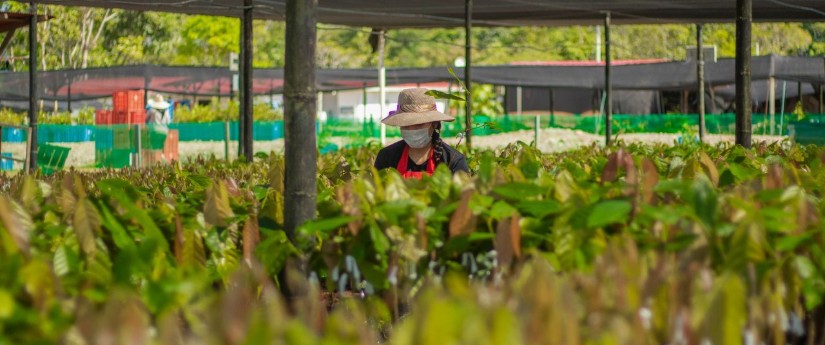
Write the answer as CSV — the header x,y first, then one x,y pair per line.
x,y
402,165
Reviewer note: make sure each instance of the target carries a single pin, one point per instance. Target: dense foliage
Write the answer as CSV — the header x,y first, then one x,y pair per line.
x,y
85,37
629,244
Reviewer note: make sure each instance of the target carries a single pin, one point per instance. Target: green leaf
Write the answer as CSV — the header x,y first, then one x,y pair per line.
x,y
7,304
274,251
540,208
791,242
443,95
115,190
86,223
16,222
518,191
323,227
609,212
501,210
217,210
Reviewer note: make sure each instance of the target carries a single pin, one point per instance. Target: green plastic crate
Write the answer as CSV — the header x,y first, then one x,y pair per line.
x,y
113,158
51,157
152,139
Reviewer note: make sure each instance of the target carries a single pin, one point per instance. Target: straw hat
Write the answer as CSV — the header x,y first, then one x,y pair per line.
x,y
158,103
415,107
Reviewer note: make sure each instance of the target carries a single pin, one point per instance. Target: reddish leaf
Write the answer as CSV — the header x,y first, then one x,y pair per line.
x,y
463,221
650,178
232,188
179,239
250,238
774,178
508,241
709,168
611,169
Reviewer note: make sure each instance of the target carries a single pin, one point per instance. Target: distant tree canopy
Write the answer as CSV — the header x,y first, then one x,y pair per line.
x,y
89,37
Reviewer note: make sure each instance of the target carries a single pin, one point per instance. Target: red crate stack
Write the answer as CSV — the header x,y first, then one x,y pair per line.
x,y
103,117
120,117
137,117
128,101
128,117
170,147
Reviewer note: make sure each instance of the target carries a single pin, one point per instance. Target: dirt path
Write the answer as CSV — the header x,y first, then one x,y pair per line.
x,y
82,155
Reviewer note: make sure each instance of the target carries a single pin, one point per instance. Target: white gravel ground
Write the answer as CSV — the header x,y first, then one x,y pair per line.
x,y
82,155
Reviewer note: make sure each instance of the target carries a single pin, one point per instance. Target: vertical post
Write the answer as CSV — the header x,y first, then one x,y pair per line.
x,y
139,151
69,95
598,43
744,19
552,108
246,118
468,54
226,139
700,71
799,98
772,103
28,165
300,111
33,94
608,114
382,85
537,128
364,100
146,84
518,100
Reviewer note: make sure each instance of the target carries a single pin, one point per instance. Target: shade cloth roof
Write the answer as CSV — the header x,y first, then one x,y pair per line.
x,y
84,84
450,13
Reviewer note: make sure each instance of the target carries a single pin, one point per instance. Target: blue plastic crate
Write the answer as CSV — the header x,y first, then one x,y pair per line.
x,y
13,135
6,164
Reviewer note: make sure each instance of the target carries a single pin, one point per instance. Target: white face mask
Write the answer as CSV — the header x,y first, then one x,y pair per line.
x,y
417,138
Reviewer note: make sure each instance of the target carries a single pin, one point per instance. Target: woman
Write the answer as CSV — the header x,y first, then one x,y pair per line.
x,y
422,148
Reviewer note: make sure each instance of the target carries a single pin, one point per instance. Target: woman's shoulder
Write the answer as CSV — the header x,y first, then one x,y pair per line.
x,y
396,147
453,152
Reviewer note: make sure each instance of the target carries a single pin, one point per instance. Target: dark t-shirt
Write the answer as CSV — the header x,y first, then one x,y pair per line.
x,y
389,156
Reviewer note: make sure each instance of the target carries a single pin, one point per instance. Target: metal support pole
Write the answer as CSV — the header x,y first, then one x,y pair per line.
x,y
33,94
744,20
607,82
226,139
246,119
69,95
468,54
700,71
598,43
382,86
300,144
772,103
518,100
552,108
139,151
364,102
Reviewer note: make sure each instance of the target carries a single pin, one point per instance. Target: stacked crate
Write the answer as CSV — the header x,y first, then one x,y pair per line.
x,y
159,148
114,135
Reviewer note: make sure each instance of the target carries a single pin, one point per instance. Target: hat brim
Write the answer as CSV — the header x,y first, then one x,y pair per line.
x,y
412,119
158,105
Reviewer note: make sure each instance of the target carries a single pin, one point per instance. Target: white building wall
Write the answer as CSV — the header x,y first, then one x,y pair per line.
x,y
349,105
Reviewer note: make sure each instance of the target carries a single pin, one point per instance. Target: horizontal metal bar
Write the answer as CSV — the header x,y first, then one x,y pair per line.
x,y
12,159
13,126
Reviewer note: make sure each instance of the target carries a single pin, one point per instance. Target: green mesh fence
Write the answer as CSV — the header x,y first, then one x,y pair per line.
x,y
483,125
